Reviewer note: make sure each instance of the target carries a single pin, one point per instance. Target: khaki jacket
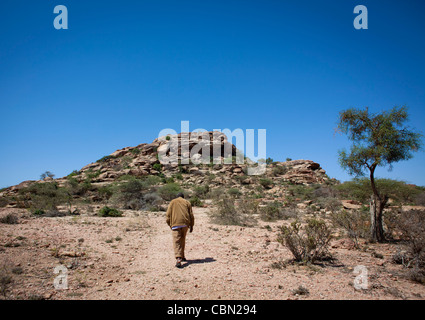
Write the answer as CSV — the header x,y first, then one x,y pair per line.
x,y
180,213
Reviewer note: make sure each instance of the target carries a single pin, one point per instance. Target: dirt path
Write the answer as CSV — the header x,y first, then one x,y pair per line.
x,y
132,258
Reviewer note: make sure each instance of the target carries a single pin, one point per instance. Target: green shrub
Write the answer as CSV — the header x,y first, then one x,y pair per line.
x,y
9,218
307,244
266,183
131,194
77,188
233,192
90,174
201,191
275,211
4,201
73,174
38,212
106,158
195,202
225,213
270,212
169,191
279,170
47,174
44,196
152,180
157,167
360,189
109,212
301,192
105,192
168,138
178,176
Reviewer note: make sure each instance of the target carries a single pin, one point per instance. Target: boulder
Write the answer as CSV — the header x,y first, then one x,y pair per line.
x,y
351,204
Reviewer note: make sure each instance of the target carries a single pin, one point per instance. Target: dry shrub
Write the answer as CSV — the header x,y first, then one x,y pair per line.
x,y
226,213
276,211
9,218
307,244
412,226
355,223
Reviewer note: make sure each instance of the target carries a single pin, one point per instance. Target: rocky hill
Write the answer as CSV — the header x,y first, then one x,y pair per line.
x,y
143,161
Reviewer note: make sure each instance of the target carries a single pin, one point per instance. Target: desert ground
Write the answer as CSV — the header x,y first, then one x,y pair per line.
x,y
131,257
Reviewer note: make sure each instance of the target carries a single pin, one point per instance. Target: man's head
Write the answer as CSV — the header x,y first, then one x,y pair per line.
x,y
180,195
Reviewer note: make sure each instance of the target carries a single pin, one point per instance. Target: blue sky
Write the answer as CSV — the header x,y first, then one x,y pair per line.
x,y
125,70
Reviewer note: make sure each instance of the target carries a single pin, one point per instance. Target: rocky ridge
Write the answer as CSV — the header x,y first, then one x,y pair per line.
x,y
143,160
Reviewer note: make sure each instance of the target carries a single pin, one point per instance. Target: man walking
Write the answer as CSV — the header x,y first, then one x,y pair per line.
x,y
180,219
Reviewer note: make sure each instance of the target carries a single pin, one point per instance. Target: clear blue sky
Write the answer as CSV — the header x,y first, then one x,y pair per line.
x,y
125,70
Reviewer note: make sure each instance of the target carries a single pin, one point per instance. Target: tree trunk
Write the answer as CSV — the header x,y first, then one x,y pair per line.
x,y
377,205
373,234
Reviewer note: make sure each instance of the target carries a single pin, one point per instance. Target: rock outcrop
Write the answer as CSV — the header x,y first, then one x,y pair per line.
x,y
197,157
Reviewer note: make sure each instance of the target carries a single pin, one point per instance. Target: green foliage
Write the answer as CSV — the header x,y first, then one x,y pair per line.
x,y
273,211
269,161
73,174
309,243
126,161
129,194
109,212
195,202
135,151
105,192
38,212
178,176
77,188
378,139
157,167
288,159
233,192
152,180
90,174
266,183
226,214
169,191
279,170
360,189
201,191
168,138
47,174
106,158
302,192
9,218
270,212
168,179
45,196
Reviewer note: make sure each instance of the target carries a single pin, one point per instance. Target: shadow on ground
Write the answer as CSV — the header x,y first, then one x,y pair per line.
x,y
197,261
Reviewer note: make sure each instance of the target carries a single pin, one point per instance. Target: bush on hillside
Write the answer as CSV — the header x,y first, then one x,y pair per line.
x,y
412,227
109,212
356,224
169,191
307,244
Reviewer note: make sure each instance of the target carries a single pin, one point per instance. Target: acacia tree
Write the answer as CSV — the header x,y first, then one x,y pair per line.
x,y
379,140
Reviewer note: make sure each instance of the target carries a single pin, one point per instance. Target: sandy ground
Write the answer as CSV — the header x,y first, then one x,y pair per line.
x,y
132,258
